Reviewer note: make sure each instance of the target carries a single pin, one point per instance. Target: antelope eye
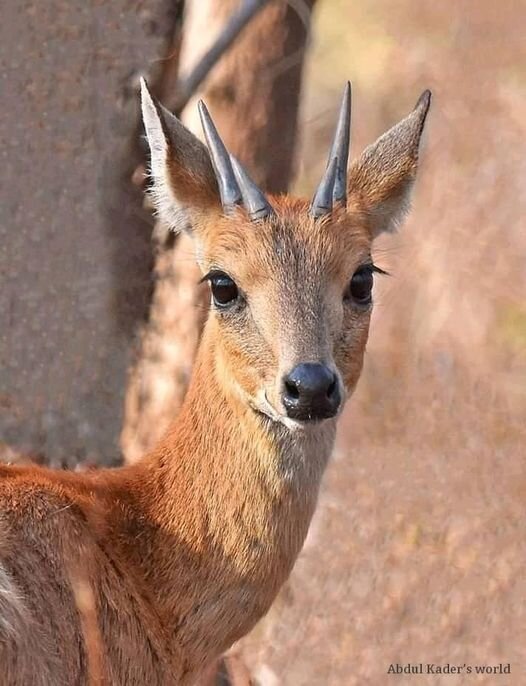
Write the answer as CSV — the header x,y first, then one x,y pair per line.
x,y
360,286
224,290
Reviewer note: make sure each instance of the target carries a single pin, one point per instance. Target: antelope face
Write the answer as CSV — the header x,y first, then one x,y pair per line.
x,y
291,281
291,298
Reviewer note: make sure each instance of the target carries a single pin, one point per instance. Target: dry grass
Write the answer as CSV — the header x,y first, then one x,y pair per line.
x,y
418,553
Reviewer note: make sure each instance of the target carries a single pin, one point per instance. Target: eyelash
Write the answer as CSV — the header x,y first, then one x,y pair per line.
x,y
210,275
377,270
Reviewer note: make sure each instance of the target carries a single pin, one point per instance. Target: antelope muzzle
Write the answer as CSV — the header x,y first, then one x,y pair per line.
x,y
311,392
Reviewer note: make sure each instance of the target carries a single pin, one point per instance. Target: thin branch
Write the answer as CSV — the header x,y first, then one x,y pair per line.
x,y
187,85
303,11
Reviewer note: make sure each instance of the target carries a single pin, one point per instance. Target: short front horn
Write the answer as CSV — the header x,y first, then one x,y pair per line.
x,y
235,185
254,199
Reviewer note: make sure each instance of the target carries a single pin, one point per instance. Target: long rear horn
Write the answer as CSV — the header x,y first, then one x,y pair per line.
x,y
235,185
228,187
333,186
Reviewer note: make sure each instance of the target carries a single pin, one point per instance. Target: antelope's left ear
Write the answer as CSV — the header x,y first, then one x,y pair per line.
x,y
381,179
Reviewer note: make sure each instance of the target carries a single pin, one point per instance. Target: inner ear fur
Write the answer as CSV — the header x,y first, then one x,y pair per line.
x,y
183,179
381,179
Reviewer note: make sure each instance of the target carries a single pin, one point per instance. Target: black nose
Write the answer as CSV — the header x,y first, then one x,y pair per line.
x,y
311,391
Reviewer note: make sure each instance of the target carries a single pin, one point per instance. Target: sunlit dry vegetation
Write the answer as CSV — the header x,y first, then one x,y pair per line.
x,y
417,553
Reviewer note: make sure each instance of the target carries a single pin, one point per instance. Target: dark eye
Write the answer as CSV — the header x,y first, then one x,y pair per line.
x,y
361,285
224,290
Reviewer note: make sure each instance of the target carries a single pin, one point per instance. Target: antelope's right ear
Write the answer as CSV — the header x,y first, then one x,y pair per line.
x,y
183,179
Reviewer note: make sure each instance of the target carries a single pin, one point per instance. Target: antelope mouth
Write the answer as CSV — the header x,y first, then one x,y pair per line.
x,y
265,408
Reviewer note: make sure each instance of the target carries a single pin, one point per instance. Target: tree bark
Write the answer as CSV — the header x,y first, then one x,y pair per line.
x,y
253,95
75,254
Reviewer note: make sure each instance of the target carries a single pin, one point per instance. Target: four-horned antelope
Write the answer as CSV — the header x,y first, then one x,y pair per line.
x,y
145,574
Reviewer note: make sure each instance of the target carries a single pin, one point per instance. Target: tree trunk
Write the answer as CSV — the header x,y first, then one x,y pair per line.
x,y
253,95
75,254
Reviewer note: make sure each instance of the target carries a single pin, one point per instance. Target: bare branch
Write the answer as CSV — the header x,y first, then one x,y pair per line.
x,y
187,85
303,11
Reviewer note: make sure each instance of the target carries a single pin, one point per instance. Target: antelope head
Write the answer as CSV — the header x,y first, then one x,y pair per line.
x,y
291,280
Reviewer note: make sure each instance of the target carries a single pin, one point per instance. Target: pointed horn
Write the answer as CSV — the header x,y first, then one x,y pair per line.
x,y
254,199
340,146
322,201
228,186
336,171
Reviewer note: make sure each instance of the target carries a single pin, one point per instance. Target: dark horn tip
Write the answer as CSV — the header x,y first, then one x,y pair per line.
x,y
203,109
206,120
204,114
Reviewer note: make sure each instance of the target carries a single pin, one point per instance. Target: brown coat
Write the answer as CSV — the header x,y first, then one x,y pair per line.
x,y
145,574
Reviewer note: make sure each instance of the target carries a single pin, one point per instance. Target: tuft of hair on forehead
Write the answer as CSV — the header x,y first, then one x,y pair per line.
x,y
292,239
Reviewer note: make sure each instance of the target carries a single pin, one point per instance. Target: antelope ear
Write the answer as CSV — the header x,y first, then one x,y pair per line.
x,y
183,179
381,179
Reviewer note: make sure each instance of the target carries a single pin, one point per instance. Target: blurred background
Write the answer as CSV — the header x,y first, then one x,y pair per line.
x,y
417,551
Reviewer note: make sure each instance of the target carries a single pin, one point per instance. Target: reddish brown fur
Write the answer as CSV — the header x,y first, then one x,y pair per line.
x,y
181,551
273,45
145,574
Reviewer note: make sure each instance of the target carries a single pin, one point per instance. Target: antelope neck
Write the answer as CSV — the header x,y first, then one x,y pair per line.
x,y
230,497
